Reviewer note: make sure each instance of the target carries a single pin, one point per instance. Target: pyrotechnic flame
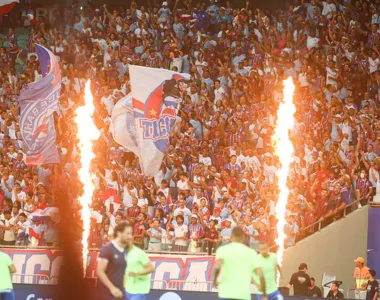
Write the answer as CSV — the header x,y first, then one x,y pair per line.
x,y
87,133
284,150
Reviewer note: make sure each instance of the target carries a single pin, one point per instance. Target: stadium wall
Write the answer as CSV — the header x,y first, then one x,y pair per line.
x,y
332,250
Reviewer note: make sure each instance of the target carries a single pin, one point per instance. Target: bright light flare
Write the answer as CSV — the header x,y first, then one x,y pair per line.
x,y
87,133
284,150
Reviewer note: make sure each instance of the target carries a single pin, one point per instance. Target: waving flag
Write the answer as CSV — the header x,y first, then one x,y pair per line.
x,y
157,94
49,213
123,124
39,100
6,6
34,233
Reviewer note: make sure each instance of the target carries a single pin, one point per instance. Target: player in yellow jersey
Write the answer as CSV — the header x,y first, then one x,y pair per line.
x,y
139,268
237,263
269,266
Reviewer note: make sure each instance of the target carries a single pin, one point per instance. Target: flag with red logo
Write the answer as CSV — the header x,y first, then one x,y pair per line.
x,y
34,233
156,97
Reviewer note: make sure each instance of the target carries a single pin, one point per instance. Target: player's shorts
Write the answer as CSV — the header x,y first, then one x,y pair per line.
x,y
106,296
276,295
7,295
135,296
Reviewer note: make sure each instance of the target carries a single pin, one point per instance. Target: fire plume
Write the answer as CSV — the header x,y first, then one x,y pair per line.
x,y
284,151
87,133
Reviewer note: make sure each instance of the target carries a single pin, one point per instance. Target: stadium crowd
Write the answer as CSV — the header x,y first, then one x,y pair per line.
x,y
220,168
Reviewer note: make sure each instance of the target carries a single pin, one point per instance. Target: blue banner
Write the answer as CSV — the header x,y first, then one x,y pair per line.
x,y
38,101
34,292
373,244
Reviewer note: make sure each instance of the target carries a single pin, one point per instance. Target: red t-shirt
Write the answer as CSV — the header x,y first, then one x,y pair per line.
x,y
212,234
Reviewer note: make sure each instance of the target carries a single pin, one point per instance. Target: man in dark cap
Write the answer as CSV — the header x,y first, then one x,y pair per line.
x,y
334,291
300,282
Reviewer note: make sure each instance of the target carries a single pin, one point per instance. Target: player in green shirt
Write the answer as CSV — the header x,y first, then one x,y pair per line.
x,y
137,273
269,266
6,269
237,263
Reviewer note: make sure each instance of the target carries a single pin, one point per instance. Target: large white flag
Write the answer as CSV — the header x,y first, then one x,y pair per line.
x,y
123,124
157,94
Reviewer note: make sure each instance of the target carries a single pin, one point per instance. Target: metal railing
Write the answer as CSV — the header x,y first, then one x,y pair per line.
x,y
319,222
317,226
191,286
161,252
175,285
30,279
158,284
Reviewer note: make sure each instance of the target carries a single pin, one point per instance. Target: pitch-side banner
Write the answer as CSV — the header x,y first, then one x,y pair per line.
x,y
157,94
49,292
168,267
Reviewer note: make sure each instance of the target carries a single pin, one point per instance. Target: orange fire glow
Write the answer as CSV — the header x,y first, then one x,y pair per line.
x,y
87,133
284,150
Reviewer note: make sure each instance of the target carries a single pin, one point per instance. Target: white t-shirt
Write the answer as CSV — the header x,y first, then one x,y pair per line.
x,y
328,9
9,235
182,185
240,159
21,196
302,79
180,231
142,202
112,225
185,210
312,42
253,162
24,225
373,64
127,198
113,185
373,179
108,103
177,62
28,207
205,160
269,172
218,94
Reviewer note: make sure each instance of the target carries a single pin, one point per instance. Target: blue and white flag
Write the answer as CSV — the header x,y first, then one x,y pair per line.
x,y
157,94
38,101
123,124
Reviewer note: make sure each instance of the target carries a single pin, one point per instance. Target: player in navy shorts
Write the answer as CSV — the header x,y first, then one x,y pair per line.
x,y
111,266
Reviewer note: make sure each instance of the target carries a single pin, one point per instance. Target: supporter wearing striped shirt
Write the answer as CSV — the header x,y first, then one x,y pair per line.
x,y
321,204
139,230
373,37
134,210
161,203
363,187
235,136
196,233
232,165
